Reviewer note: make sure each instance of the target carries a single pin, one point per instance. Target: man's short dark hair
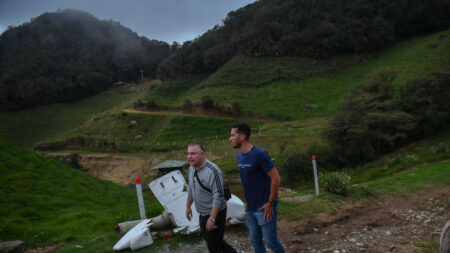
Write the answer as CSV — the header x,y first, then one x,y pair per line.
x,y
199,145
243,128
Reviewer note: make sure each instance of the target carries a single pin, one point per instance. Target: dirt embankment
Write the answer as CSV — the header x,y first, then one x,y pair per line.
x,y
119,169
401,223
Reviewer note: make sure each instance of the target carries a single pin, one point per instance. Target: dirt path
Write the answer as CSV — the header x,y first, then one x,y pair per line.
x,y
392,223
197,112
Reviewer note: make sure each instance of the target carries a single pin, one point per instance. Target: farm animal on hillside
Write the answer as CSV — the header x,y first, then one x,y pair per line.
x,y
133,123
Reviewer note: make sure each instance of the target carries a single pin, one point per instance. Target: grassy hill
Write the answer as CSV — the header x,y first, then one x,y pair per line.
x,y
50,122
279,88
57,205
266,88
114,132
301,81
46,203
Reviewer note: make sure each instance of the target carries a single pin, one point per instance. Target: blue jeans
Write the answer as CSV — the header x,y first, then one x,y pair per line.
x,y
259,229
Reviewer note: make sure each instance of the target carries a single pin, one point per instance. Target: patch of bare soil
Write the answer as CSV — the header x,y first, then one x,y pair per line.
x,y
390,224
195,110
118,169
41,250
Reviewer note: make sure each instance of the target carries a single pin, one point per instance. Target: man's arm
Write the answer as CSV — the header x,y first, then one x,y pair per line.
x,y
190,199
274,186
212,218
188,208
216,186
276,180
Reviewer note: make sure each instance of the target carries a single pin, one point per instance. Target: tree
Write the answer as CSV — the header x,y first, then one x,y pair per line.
x,y
207,102
68,55
368,123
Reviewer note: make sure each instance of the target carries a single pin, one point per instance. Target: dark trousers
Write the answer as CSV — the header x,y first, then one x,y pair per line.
x,y
214,238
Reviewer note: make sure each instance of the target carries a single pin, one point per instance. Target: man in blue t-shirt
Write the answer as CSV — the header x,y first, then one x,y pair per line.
x,y
260,180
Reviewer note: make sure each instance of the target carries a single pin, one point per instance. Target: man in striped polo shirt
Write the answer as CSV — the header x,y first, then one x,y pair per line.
x,y
206,191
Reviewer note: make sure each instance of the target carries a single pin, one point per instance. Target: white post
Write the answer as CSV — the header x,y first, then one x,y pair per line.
x,y
316,178
140,198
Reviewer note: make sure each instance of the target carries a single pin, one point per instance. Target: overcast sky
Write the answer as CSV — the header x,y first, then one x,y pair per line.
x,y
166,20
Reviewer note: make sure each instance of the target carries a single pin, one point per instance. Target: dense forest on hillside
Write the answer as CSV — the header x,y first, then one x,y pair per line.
x,y
68,55
306,28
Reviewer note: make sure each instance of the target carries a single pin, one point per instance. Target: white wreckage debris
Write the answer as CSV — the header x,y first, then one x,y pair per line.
x,y
171,192
138,237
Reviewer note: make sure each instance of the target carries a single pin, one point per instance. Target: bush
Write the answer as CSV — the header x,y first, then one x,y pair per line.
x,y
373,121
335,182
207,102
187,104
296,169
236,108
427,100
139,104
151,105
368,122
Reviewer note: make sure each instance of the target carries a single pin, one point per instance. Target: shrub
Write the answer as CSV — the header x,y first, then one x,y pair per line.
x,y
236,108
368,123
372,121
427,100
139,104
187,104
296,169
151,105
335,182
207,102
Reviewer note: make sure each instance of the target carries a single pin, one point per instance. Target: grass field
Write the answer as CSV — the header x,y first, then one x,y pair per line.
x,y
51,122
46,203
113,132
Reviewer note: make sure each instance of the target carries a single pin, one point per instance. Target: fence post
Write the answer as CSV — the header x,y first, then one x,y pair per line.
x,y
316,178
140,198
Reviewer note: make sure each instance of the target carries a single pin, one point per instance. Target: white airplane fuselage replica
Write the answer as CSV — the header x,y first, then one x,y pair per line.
x,y
171,192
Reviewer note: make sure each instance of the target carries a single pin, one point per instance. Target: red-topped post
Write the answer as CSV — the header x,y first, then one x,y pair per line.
x,y
140,198
316,178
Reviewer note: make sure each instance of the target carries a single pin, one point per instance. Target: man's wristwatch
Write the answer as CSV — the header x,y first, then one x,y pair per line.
x,y
272,202
212,219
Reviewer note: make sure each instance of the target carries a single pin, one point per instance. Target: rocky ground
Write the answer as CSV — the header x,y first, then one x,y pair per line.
x,y
402,223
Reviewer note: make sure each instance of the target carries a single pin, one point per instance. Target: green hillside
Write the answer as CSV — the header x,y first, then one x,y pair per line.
x,y
50,122
285,87
322,83
46,203
143,132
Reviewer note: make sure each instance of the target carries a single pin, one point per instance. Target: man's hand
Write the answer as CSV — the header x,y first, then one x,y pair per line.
x,y
268,211
189,213
210,225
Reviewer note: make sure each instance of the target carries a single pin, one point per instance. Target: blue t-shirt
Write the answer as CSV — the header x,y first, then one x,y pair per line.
x,y
253,168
